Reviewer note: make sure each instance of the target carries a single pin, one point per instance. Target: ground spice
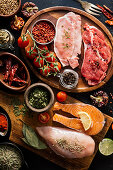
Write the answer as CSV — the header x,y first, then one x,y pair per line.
x,y
3,123
8,7
43,32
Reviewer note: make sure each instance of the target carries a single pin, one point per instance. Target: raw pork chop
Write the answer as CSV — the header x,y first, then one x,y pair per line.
x,y
67,143
67,43
97,55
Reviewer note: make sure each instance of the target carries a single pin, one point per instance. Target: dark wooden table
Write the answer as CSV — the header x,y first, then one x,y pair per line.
x,y
34,161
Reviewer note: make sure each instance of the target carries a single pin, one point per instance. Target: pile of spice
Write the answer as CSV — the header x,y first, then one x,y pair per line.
x,y
10,158
43,31
8,7
3,123
39,98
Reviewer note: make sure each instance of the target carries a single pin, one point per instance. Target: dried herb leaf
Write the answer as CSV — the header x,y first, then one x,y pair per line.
x,y
30,137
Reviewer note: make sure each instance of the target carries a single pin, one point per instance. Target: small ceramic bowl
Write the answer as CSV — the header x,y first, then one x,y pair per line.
x,y
15,59
41,20
29,90
15,12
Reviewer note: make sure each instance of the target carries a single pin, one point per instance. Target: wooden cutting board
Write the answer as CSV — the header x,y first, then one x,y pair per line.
x,y
53,14
7,101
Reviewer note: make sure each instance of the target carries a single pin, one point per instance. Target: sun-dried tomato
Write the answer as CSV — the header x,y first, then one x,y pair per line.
x,y
17,23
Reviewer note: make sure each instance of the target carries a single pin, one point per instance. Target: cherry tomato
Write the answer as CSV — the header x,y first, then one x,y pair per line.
x,y
45,71
61,96
43,47
44,117
31,53
38,62
23,42
55,67
51,56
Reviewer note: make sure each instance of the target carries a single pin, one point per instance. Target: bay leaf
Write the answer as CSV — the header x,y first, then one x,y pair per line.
x,y
24,139
32,138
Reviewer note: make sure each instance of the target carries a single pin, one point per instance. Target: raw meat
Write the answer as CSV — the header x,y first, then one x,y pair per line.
x,y
97,55
67,143
68,39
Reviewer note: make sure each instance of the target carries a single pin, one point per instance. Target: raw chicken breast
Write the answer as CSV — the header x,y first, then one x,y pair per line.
x,y
67,143
67,43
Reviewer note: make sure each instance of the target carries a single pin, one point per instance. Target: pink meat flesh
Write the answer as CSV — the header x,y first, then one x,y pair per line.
x,y
97,55
67,43
67,143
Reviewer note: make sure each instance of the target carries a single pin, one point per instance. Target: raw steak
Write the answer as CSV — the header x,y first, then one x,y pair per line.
x,y
67,43
97,55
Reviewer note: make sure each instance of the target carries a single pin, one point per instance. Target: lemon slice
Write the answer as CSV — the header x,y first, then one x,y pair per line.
x,y
106,146
85,119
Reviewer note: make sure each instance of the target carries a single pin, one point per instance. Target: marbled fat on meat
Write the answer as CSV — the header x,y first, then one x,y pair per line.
x,y
67,43
97,55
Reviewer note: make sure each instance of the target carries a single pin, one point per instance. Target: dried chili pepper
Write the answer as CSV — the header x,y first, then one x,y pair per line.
x,y
8,69
19,80
17,23
107,14
12,73
3,123
109,22
108,9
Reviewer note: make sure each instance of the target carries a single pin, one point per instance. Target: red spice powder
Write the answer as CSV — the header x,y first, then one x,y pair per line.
x,y
43,32
3,123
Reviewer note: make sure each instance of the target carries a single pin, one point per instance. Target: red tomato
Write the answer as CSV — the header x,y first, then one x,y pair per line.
x,y
23,42
55,67
38,62
31,53
43,47
45,71
61,96
44,117
51,56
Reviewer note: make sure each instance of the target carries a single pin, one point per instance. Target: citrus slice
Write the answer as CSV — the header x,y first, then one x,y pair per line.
x,y
106,146
85,119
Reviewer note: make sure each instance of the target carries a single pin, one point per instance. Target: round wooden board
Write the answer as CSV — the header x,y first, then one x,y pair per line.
x,y
53,13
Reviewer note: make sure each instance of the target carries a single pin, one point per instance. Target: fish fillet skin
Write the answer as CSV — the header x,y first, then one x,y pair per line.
x,y
67,43
67,143
96,115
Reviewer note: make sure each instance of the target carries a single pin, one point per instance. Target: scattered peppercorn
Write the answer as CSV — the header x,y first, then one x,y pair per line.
x,y
100,98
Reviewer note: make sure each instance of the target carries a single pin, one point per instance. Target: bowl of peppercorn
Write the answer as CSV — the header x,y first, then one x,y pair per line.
x,y
39,97
9,8
43,31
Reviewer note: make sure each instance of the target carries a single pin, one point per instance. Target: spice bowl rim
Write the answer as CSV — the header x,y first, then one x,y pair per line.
x,y
33,86
22,88
36,23
15,12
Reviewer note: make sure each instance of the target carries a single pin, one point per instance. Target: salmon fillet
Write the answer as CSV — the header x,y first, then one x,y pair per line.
x,y
96,115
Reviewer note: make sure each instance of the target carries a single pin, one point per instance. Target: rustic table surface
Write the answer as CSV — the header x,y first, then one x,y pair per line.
x,y
34,161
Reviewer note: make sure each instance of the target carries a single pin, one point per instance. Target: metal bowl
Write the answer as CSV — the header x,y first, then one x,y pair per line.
x,y
35,24
33,86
